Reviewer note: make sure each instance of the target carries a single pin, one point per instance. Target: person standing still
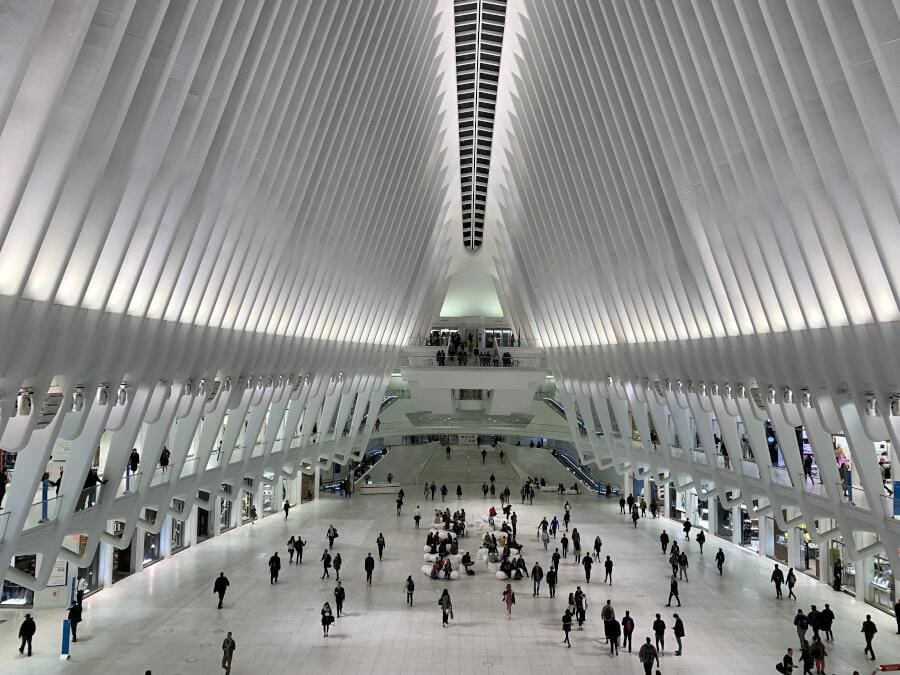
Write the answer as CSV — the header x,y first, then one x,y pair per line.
x,y
82,589
228,647
220,586
664,541
608,567
336,564
74,619
537,575
673,592
678,630
417,516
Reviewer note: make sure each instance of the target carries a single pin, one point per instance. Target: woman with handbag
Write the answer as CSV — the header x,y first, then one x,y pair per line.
x,y
327,619
510,599
446,608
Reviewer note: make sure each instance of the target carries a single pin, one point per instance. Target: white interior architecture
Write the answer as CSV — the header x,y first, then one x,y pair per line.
x,y
244,238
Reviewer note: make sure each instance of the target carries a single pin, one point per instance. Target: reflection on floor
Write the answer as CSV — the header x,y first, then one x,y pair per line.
x,y
165,619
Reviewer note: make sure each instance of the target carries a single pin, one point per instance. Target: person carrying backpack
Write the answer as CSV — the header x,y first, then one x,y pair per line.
x,y
627,630
409,587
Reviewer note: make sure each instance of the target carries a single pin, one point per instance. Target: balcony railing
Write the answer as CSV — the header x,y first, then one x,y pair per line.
x,y
531,362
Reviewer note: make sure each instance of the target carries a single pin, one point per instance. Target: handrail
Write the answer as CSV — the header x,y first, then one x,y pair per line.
x,y
529,362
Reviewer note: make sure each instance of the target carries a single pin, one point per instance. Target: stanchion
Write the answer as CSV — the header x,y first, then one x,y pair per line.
x,y
66,632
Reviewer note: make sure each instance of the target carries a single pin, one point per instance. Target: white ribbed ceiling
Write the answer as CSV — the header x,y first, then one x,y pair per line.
x,y
281,167
681,170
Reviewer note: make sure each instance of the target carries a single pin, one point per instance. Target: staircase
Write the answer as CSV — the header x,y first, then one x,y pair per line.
x,y
464,468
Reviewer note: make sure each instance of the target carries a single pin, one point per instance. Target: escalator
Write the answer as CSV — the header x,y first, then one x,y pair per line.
x,y
558,408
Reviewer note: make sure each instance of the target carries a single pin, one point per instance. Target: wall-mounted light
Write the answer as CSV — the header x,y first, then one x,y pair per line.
x,y
188,389
668,384
787,395
714,388
103,394
23,402
771,395
805,398
729,391
742,390
78,399
122,395
871,405
227,384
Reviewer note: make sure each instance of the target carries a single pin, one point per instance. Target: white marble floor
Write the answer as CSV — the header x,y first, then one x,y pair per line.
x,y
165,619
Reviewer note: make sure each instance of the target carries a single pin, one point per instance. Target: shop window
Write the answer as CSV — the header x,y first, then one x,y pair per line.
x,y
225,522
152,540
14,595
881,590
724,526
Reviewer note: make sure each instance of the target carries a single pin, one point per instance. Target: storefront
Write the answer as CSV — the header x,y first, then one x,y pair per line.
x,y
881,589
247,501
724,526
268,493
152,548
91,573
225,520
749,530
839,552
776,541
809,561
122,562
14,595
178,536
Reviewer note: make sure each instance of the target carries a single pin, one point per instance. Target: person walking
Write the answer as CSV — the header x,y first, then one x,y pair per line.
x,y
298,548
410,588
587,562
720,560
545,538
336,563
484,490
26,634
608,568
369,566
683,566
290,546
74,616
564,542
627,630
228,647
647,655
598,546
331,534
659,632
678,630
868,630
608,616
686,527
287,508
444,493
380,544
220,585
826,618
254,514
567,626
581,604
327,619
537,575
818,653
621,505
399,504
791,581
554,559
326,564
802,624
339,596
417,516
664,541
554,526
896,614
815,620
509,599
274,567
551,581
446,608
483,455
777,578
701,539
786,667
514,521
567,517
615,631
432,488
634,516
448,452
673,592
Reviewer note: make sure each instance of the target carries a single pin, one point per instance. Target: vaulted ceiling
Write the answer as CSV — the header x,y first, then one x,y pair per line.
x,y
632,172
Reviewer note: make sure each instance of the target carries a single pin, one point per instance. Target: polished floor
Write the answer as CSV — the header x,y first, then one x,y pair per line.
x,y
165,619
